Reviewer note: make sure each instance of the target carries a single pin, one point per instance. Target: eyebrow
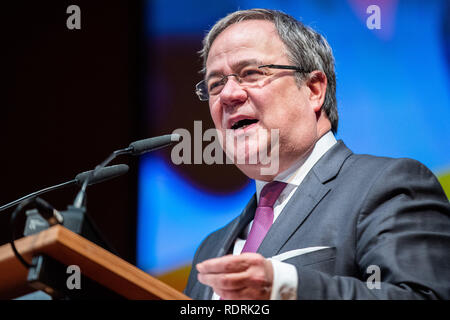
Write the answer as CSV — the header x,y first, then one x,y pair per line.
x,y
235,66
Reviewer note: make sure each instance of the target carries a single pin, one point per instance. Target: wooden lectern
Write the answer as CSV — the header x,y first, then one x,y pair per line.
x,y
106,274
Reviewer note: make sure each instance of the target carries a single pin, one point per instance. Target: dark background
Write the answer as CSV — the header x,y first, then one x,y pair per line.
x,y
68,99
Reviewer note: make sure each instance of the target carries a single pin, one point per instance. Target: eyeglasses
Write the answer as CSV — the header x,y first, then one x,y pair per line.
x,y
250,76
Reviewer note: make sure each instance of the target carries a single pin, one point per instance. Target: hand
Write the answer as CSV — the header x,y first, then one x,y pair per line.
x,y
248,276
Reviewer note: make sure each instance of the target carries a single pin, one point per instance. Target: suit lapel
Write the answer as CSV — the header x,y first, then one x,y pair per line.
x,y
237,226
308,194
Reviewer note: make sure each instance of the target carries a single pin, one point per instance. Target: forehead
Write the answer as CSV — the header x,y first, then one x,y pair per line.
x,y
247,40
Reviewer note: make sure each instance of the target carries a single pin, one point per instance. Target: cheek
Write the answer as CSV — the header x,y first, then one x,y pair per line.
x,y
282,114
295,119
281,106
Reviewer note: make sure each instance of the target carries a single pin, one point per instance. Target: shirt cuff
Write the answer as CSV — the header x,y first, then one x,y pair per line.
x,y
285,281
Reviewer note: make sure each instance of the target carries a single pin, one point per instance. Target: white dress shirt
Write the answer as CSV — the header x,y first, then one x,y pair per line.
x,y
285,280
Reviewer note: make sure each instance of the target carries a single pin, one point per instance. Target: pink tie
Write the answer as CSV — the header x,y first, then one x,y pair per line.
x,y
263,216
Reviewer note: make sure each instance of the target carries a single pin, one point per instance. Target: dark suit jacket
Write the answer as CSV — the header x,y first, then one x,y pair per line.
x,y
391,213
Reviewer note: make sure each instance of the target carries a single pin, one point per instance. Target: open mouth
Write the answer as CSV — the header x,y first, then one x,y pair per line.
x,y
241,124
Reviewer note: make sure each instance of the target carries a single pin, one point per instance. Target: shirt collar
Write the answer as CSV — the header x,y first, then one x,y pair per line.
x,y
295,174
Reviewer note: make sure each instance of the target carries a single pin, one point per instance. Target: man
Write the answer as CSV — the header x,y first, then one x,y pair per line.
x,y
327,224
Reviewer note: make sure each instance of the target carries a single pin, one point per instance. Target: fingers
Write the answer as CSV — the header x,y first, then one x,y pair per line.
x,y
246,276
225,281
225,264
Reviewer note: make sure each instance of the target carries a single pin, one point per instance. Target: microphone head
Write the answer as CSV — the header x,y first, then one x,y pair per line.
x,y
151,144
103,174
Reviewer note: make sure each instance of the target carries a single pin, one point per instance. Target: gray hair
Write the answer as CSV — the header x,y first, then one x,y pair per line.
x,y
305,48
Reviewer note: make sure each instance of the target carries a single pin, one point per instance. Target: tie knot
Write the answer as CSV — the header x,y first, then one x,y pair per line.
x,y
270,193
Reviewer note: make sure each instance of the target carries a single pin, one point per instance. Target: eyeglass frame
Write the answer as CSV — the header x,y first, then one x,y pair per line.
x,y
199,90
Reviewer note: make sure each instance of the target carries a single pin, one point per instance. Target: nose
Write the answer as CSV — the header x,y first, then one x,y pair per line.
x,y
232,93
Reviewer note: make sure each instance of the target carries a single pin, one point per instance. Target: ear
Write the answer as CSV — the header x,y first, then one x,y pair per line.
x,y
317,84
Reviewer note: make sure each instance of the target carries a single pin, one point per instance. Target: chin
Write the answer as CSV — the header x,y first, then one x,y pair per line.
x,y
255,172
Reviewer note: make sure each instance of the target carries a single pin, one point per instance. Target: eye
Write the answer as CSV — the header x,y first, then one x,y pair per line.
x,y
215,84
251,74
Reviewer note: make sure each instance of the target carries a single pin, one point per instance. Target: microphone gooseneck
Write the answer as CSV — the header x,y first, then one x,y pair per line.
x,y
135,148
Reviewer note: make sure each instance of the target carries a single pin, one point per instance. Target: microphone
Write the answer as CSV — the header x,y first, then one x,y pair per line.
x,y
103,174
152,144
135,148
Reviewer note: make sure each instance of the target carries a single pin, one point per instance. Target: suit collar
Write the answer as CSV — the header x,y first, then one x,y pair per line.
x,y
331,162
